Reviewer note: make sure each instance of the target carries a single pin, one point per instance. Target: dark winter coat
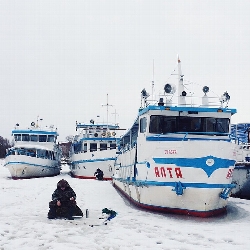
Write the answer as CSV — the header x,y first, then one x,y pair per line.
x,y
63,195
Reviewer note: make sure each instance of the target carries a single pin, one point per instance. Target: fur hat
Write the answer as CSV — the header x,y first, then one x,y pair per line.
x,y
62,183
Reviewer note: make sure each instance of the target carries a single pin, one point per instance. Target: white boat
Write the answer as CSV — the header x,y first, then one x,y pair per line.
x,y
35,153
241,174
93,148
178,157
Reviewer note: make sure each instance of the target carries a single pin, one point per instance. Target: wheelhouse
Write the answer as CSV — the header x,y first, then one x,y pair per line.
x,y
34,136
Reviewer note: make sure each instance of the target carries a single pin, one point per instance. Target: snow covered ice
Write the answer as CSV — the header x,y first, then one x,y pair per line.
x,y
24,223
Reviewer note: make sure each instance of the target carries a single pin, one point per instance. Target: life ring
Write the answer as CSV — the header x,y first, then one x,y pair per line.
x,y
108,134
103,134
113,133
33,124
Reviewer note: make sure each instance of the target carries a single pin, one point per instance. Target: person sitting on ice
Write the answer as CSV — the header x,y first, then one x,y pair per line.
x,y
98,174
63,201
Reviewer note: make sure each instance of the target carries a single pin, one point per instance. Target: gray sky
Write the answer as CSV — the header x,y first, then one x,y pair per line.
x,y
60,58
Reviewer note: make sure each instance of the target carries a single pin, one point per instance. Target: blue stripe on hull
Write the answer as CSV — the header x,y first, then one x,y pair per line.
x,y
202,163
94,160
173,184
30,164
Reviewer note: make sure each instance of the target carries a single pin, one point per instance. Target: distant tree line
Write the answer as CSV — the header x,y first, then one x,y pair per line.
x,y
4,144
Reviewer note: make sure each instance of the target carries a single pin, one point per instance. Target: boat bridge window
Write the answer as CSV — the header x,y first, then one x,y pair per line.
x,y
85,148
25,137
93,147
77,147
143,125
112,145
103,146
51,138
17,137
160,124
42,138
33,137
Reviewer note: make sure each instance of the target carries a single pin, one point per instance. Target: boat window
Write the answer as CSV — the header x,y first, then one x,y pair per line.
x,y
190,124
170,124
112,145
21,151
53,156
42,138
160,124
125,141
33,137
143,125
77,147
17,137
51,138
11,152
25,137
103,146
85,148
93,147
31,152
217,125
41,153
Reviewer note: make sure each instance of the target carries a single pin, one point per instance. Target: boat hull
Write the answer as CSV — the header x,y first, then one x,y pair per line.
x,y
24,167
195,184
204,211
84,165
241,178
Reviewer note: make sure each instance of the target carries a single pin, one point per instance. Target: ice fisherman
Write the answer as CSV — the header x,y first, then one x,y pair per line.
x,y
99,174
63,197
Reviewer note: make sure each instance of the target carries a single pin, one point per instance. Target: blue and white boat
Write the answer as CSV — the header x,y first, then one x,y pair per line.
x,y
35,153
94,147
241,175
178,157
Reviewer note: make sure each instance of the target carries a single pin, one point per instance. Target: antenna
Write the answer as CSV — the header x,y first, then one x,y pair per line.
x,y
115,113
153,81
37,125
181,92
107,105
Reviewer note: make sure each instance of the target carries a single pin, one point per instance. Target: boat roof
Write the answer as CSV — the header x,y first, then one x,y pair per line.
x,y
36,132
94,126
187,109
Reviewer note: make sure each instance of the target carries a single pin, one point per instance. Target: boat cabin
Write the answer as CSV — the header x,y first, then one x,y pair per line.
x,y
34,136
178,122
94,137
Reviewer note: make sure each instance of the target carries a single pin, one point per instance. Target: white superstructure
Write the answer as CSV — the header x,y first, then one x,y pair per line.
x,y
35,153
94,147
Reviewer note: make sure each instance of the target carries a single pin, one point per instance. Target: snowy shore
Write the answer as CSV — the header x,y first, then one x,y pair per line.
x,y
24,223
